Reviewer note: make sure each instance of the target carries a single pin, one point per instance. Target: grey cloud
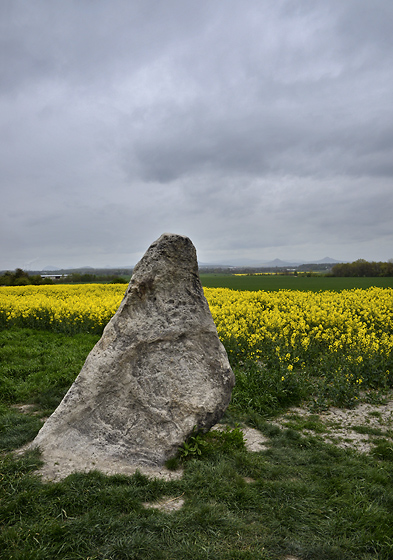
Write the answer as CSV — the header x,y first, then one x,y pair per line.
x,y
84,42
259,128
188,142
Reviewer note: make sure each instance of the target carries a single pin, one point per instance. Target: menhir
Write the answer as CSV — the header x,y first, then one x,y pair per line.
x,y
158,371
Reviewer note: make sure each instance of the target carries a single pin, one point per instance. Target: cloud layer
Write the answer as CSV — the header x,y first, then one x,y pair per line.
x,y
260,129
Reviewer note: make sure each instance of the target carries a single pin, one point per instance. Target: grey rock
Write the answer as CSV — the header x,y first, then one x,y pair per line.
x,y
158,370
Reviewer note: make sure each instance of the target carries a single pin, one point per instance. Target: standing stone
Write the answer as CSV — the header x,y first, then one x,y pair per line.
x,y
158,370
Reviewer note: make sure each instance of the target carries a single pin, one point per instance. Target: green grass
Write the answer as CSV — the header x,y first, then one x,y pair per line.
x,y
17,428
282,282
301,423
39,366
301,497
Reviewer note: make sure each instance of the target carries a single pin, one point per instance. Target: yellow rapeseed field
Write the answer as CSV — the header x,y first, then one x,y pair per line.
x,y
344,335
296,321
64,308
349,333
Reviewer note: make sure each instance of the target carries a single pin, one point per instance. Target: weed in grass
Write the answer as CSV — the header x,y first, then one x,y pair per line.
x,y
194,445
200,445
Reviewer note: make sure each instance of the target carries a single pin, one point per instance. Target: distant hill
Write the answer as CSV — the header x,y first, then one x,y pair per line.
x,y
280,264
327,260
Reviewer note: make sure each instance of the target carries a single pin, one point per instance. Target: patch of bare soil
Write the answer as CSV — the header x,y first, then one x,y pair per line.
x,y
342,427
255,441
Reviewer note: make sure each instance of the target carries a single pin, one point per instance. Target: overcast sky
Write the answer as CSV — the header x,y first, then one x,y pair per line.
x,y
261,129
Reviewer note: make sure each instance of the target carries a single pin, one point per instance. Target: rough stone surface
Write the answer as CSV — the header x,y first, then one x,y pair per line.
x,y
158,370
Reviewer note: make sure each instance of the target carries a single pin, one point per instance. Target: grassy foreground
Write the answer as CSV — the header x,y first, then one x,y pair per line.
x,y
300,498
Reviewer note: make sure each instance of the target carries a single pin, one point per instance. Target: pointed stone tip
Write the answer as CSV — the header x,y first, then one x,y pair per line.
x,y
172,238
171,248
169,234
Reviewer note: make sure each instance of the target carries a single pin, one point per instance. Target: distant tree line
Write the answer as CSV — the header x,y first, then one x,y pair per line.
x,y
363,268
88,278
317,267
21,278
